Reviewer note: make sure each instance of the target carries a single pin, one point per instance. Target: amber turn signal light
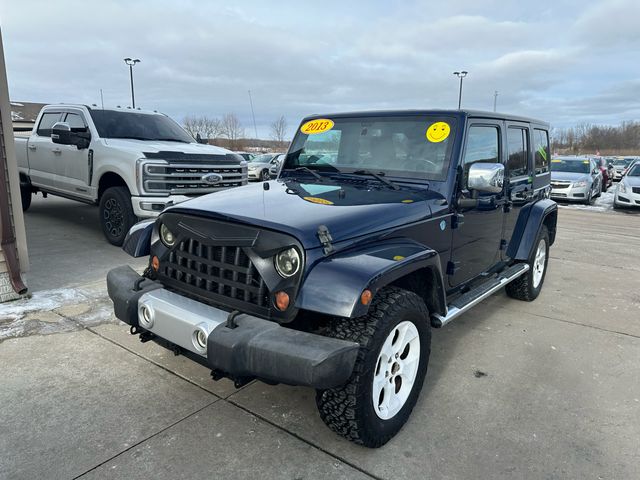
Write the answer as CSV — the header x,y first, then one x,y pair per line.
x,y
366,297
155,263
282,301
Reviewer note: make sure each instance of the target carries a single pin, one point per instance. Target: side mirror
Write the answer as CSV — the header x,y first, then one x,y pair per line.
x,y
486,177
61,133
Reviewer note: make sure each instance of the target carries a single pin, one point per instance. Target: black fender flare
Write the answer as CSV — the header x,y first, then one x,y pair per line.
x,y
335,284
528,226
137,243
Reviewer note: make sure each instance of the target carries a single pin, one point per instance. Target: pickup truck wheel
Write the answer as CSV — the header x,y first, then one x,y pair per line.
x,y
116,214
528,286
395,342
25,194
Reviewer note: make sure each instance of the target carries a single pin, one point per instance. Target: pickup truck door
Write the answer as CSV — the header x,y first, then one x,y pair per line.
x,y
72,164
41,151
478,233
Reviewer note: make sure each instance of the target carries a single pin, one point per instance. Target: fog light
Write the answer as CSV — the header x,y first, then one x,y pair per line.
x,y
199,339
145,316
282,301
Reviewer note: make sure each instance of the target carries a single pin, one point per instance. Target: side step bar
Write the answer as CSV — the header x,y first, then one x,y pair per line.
x,y
475,296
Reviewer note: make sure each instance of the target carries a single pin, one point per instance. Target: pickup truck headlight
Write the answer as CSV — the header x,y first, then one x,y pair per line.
x,y
167,236
580,184
287,262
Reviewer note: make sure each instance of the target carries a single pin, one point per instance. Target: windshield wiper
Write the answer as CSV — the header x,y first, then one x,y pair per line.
x,y
378,176
308,170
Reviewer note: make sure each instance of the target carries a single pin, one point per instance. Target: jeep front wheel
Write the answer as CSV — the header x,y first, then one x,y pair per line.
x,y
116,214
395,342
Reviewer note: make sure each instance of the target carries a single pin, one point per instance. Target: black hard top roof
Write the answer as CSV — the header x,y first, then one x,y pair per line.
x,y
454,113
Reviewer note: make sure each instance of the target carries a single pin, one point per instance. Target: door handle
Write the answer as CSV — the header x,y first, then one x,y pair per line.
x,y
56,150
32,147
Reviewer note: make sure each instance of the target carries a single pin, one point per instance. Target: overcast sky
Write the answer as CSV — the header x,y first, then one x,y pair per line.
x,y
567,62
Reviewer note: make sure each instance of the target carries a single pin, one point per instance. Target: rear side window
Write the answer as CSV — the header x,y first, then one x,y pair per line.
x,y
517,144
46,122
541,144
76,122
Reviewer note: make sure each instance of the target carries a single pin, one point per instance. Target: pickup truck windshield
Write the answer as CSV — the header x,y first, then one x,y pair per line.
x,y
402,146
138,126
572,166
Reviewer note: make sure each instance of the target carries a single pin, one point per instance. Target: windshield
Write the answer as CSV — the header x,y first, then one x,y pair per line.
x,y
264,158
634,171
622,162
138,126
403,146
572,166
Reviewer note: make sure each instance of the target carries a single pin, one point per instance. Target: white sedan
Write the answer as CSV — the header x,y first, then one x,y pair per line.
x,y
628,191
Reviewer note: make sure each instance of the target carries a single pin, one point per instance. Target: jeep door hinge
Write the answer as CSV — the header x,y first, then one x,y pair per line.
x,y
456,220
452,267
325,239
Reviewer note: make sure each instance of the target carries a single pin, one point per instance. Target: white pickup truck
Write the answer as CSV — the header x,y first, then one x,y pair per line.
x,y
132,163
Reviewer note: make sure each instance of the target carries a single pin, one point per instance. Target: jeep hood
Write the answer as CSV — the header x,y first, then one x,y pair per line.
x,y
298,209
139,147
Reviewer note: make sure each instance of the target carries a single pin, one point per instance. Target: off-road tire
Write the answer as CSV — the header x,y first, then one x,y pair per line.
x,y
348,410
25,196
522,287
116,214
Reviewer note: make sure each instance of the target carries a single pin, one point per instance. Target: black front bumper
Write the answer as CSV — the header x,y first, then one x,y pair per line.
x,y
248,347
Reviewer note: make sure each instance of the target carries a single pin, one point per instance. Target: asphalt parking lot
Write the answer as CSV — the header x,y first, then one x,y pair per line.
x,y
547,389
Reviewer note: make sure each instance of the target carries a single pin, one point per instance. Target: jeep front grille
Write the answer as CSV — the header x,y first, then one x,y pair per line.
x,y
215,272
185,179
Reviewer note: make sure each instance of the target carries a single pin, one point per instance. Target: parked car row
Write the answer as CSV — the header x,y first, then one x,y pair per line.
x,y
259,167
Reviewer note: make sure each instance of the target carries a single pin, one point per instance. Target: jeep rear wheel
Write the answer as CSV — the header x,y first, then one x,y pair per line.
x,y
527,287
395,342
116,214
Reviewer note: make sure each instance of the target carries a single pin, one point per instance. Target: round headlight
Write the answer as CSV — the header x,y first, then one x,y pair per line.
x,y
167,236
288,262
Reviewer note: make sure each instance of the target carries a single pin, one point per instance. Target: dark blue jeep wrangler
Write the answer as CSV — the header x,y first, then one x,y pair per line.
x,y
380,226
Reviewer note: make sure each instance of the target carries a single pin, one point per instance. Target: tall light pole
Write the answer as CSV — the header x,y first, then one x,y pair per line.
x,y
131,63
495,100
460,75
253,115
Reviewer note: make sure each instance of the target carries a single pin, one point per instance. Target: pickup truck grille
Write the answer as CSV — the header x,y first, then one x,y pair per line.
x,y
215,271
184,179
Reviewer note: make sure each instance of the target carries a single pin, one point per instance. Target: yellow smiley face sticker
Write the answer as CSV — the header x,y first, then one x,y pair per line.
x,y
438,132
319,125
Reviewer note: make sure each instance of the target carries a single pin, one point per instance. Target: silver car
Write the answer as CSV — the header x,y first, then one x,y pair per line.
x,y
620,164
575,178
274,171
628,191
258,167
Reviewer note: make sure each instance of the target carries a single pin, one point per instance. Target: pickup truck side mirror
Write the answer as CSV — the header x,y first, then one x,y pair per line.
x,y
61,133
486,177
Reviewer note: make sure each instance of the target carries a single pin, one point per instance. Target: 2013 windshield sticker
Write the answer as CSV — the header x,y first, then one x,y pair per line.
x,y
319,125
438,132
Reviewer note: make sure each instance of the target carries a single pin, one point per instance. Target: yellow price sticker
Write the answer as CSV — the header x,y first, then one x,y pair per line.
x,y
318,200
319,125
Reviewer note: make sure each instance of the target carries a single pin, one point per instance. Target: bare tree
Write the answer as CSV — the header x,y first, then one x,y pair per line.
x,y
232,129
206,127
279,130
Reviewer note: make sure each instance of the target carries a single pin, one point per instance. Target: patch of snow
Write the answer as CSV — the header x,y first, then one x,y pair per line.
x,y
41,301
604,203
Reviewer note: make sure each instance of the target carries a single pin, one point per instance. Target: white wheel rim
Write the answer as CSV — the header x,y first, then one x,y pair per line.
x,y
538,263
396,369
